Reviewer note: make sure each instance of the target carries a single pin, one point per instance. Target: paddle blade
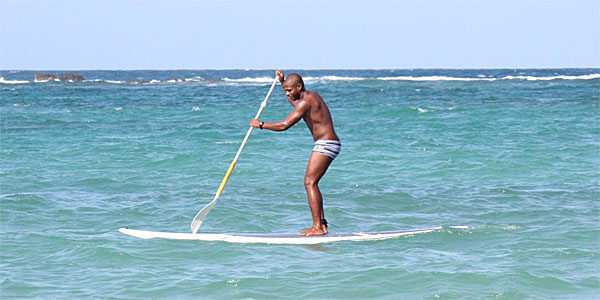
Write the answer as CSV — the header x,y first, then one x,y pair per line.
x,y
201,215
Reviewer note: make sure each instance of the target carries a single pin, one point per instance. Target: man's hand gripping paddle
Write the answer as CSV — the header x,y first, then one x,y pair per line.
x,y
201,215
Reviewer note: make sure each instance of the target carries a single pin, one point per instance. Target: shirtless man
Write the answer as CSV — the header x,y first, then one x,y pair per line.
x,y
308,105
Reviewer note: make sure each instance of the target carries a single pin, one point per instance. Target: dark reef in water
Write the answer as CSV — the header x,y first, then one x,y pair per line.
x,y
44,77
71,77
64,77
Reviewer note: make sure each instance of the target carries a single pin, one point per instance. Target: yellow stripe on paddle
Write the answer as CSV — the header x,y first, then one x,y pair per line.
x,y
222,186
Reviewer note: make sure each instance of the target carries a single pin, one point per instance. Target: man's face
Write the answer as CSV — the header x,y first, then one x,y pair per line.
x,y
292,91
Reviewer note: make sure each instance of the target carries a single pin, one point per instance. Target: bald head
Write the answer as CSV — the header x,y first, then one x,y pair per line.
x,y
293,80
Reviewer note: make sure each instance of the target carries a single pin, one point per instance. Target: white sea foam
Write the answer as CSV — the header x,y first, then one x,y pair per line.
x,y
56,79
563,77
103,80
434,78
341,78
305,79
479,77
250,79
482,78
2,80
195,79
421,110
327,78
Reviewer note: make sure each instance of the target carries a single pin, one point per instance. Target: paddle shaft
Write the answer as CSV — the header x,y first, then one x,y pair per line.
x,y
201,215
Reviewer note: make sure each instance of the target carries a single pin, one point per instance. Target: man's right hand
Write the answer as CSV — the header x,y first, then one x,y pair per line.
x,y
255,123
279,75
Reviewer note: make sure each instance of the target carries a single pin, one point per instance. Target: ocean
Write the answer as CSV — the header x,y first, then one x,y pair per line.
x,y
512,154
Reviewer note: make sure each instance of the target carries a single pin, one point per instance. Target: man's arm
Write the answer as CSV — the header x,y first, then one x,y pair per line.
x,y
299,110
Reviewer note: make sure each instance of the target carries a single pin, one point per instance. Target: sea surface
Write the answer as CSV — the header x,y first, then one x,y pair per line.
x,y
512,154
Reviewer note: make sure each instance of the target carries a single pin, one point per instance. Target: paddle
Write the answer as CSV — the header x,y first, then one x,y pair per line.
x,y
201,215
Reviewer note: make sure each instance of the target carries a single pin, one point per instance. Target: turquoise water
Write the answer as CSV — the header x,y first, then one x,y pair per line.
x,y
513,154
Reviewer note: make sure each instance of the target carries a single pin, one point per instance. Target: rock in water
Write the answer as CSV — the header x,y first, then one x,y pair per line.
x,y
44,77
71,77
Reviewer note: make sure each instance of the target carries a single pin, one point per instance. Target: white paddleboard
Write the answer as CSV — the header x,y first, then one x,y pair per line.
x,y
292,239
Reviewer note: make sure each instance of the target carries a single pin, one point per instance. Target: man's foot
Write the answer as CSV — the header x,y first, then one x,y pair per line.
x,y
314,231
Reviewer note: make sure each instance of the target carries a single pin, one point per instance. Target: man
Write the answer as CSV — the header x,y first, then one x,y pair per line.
x,y
308,105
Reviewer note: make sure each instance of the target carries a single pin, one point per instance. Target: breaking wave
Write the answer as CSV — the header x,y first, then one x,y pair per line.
x,y
323,79
2,80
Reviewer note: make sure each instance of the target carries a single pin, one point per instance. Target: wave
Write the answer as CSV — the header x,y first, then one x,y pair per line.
x,y
336,78
2,80
325,79
435,78
305,79
418,78
421,110
563,77
480,78
250,79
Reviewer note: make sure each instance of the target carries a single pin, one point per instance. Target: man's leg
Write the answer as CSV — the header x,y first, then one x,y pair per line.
x,y
317,166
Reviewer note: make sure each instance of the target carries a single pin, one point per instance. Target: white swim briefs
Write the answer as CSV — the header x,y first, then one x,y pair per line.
x,y
330,148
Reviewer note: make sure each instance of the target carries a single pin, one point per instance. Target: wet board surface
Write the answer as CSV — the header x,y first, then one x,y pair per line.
x,y
292,239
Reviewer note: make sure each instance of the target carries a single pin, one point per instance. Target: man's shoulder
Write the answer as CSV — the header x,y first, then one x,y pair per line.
x,y
312,95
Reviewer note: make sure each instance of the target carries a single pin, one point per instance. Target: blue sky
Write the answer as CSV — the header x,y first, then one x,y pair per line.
x,y
75,35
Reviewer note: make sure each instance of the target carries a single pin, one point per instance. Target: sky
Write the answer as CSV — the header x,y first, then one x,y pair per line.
x,y
340,34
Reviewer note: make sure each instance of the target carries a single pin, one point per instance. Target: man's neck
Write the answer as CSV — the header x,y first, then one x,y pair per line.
x,y
302,94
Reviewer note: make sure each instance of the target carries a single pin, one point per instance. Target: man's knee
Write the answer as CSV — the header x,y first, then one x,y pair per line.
x,y
310,182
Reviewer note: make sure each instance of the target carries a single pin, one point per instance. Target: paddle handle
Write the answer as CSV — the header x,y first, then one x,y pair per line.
x,y
201,215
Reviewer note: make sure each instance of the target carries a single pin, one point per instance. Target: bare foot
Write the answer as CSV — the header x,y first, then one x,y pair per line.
x,y
314,231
